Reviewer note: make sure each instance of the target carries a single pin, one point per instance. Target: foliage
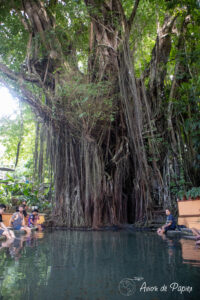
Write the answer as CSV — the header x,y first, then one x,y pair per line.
x,y
11,134
193,193
16,190
90,103
15,35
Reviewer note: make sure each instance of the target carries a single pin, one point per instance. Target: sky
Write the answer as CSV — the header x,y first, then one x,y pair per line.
x,y
9,108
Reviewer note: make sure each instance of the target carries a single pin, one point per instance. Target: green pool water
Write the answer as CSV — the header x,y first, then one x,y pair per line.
x,y
100,265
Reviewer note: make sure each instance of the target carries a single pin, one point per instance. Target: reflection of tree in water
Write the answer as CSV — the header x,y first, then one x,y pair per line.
x,y
68,260
171,257
16,247
74,258
79,258
87,264
19,267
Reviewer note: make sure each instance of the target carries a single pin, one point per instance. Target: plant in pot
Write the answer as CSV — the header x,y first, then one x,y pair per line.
x,y
193,193
181,195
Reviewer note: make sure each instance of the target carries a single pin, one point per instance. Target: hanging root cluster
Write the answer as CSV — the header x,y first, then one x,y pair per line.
x,y
100,136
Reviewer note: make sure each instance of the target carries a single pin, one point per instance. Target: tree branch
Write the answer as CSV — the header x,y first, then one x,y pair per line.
x,y
123,17
162,46
29,98
26,96
10,74
19,76
132,16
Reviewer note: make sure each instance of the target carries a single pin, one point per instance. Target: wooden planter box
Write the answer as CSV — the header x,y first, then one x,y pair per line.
x,y
189,213
6,218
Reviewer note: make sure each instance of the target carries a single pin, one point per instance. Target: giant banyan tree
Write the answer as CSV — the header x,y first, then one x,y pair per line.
x,y
112,121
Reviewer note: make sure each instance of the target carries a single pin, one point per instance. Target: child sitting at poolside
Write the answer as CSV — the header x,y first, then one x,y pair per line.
x,y
33,220
17,220
169,225
3,229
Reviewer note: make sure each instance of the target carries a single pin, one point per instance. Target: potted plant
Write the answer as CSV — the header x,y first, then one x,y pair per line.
x,y
193,193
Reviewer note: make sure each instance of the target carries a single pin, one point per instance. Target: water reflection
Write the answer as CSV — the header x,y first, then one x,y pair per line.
x,y
190,252
17,266
16,245
170,244
90,265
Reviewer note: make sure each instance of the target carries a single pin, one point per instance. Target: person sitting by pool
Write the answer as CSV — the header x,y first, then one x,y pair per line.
x,y
3,229
17,220
33,220
170,223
